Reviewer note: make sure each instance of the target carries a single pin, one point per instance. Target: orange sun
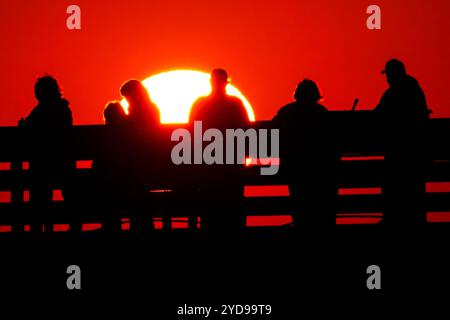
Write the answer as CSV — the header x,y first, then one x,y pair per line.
x,y
174,92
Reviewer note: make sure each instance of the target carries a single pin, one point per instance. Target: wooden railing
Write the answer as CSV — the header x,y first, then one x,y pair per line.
x,y
358,139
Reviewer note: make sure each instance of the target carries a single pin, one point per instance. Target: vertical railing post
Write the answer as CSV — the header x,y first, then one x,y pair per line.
x,y
17,192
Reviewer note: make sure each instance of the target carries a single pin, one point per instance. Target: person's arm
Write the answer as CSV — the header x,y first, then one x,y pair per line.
x,y
277,120
194,114
244,118
67,120
157,113
28,121
381,106
424,112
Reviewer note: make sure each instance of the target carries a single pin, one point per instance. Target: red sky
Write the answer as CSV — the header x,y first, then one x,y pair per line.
x,y
267,47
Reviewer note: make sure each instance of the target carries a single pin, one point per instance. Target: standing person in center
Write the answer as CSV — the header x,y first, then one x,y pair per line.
x,y
308,157
221,185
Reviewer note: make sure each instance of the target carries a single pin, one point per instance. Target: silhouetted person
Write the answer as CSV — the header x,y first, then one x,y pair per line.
x,y
308,157
114,115
142,112
111,167
48,126
219,110
404,119
143,139
221,185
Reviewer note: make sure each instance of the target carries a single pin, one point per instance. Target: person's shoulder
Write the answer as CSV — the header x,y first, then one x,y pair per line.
x,y
201,100
285,112
387,94
412,83
235,100
288,109
321,108
64,104
36,109
197,107
237,104
63,108
37,112
411,80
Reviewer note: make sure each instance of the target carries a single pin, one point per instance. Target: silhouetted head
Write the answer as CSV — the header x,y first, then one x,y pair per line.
x,y
140,107
133,91
219,81
395,71
114,114
136,95
47,89
307,91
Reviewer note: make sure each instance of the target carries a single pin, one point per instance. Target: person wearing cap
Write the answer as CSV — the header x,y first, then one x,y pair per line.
x,y
404,97
220,186
219,110
308,158
403,115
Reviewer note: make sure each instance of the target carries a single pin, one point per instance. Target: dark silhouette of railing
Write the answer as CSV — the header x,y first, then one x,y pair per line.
x,y
358,140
